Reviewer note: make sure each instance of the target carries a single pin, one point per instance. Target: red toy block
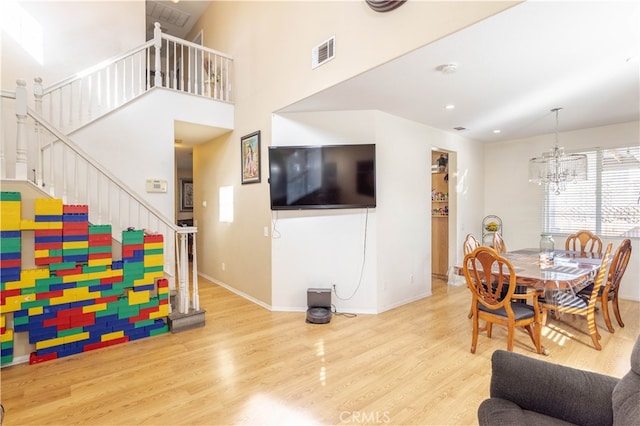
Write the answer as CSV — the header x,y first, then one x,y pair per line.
x,y
153,238
122,339
49,294
108,299
8,293
163,282
75,209
35,359
71,271
92,346
99,239
95,256
48,232
10,263
109,280
48,246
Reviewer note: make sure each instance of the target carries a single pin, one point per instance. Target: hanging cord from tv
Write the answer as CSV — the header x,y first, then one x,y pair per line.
x,y
364,257
344,314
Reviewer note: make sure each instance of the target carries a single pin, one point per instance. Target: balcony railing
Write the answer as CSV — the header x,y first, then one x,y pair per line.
x,y
165,61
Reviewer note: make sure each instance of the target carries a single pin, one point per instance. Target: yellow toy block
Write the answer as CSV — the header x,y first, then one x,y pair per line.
x,y
7,336
154,246
94,308
27,225
154,260
100,262
76,337
163,311
14,303
138,297
163,290
3,321
75,245
29,276
38,310
10,219
112,336
38,254
149,278
76,278
67,297
43,344
48,206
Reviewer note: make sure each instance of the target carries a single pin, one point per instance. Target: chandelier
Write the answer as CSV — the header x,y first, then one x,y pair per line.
x,y
555,168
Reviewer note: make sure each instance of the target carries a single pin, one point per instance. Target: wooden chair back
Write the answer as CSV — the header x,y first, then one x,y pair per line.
x,y
584,241
619,263
470,244
617,268
498,243
485,265
492,281
570,303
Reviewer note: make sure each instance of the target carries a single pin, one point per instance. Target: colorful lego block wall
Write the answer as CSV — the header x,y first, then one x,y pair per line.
x,y
77,298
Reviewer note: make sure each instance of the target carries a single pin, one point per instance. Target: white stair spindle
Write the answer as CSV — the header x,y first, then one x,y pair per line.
x,y
21,134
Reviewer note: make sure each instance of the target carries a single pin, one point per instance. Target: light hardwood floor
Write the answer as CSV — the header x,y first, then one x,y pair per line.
x,y
410,365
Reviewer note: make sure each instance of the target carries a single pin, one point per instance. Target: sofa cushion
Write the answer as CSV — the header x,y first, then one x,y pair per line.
x,y
626,394
500,412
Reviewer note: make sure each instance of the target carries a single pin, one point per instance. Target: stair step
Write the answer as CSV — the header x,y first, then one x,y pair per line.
x,y
181,322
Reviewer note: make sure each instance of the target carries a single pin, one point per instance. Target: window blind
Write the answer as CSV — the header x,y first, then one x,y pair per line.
x,y
607,203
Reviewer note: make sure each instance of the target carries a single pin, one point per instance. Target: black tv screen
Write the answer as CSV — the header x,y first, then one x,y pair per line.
x,y
322,177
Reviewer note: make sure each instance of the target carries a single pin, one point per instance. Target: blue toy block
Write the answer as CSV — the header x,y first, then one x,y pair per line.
x,y
9,234
11,255
75,217
72,238
48,239
48,218
63,286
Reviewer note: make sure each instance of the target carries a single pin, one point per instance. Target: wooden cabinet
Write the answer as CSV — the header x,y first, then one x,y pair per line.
x,y
439,218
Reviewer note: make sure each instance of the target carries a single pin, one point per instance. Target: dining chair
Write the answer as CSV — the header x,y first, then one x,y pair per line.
x,y
584,241
470,244
570,303
498,243
495,303
609,292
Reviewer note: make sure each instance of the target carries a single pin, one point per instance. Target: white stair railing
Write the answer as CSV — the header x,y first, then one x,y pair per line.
x,y
165,61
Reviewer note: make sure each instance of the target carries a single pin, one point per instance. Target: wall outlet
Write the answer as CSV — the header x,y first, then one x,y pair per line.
x,y
224,267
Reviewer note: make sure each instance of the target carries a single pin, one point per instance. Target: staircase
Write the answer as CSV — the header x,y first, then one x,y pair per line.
x,y
39,146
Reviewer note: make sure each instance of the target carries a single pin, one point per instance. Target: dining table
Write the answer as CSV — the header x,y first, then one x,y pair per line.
x,y
569,270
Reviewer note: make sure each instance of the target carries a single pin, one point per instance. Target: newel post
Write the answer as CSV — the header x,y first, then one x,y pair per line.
x,y
37,94
157,43
21,133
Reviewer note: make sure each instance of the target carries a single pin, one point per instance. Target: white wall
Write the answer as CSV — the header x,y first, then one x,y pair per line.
x,y
141,149
509,195
317,249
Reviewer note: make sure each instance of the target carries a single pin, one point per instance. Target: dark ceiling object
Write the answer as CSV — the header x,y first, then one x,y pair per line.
x,y
384,5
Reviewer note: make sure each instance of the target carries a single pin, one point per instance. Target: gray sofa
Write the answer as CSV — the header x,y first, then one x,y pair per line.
x,y
528,391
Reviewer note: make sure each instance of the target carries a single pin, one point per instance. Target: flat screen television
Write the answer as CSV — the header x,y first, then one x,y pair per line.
x,y
322,177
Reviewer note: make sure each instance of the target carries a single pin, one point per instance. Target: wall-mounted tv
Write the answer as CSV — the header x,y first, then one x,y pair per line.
x,y
322,177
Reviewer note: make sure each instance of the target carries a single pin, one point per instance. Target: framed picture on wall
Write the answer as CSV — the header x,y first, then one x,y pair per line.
x,y
250,156
186,195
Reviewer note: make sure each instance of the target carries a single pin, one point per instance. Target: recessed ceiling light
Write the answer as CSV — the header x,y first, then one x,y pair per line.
x,y
450,106
497,131
447,68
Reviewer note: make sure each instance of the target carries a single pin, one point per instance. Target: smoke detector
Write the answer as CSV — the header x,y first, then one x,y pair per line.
x,y
447,68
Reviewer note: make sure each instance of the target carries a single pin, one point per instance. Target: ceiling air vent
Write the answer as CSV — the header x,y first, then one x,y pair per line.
x,y
323,52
